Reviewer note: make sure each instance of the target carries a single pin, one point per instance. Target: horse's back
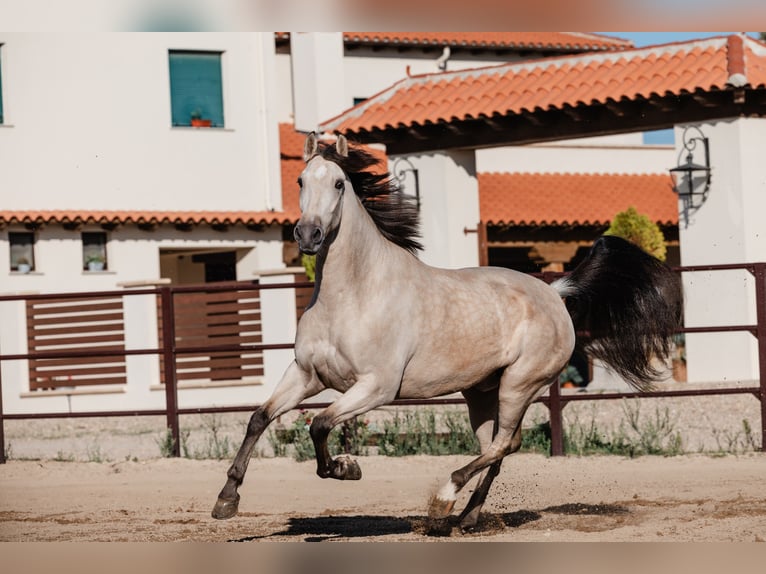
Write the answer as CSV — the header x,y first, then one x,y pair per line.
x,y
473,322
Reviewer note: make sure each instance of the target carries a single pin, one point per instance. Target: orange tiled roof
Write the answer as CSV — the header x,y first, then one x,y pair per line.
x,y
291,159
555,83
539,41
79,216
564,199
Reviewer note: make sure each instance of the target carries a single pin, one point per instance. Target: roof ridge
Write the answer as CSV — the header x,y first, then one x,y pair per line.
x,y
576,173
735,61
549,61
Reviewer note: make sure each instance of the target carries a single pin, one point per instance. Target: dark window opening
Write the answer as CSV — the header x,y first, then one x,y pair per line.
x,y
22,245
94,251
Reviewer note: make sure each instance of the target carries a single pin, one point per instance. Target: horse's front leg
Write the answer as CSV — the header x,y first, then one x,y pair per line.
x,y
296,385
364,396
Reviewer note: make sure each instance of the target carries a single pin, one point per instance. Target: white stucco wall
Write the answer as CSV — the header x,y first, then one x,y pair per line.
x,y
613,154
728,228
88,125
449,198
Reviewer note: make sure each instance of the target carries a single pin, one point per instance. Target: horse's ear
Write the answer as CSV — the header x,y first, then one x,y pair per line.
x,y
342,145
310,147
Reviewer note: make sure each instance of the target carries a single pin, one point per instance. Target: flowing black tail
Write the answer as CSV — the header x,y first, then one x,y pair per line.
x,y
629,304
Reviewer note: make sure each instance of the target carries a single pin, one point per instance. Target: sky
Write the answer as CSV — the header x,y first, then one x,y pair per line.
x,y
641,39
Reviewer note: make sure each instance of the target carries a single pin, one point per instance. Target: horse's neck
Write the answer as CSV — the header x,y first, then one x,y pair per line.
x,y
355,254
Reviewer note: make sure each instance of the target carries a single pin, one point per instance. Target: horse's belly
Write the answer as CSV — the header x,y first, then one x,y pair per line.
x,y
438,379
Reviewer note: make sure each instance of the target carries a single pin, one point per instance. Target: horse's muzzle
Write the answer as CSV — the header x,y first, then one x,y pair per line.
x,y
309,237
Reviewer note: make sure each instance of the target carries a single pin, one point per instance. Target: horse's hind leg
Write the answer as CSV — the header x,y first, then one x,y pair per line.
x,y
482,410
295,386
514,397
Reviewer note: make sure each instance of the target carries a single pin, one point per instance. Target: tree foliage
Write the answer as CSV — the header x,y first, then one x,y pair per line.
x,y
640,230
309,263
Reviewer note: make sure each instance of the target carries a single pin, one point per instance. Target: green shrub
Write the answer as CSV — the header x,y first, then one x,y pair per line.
x,y
640,230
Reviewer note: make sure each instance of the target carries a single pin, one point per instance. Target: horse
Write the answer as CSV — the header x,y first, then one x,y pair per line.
x,y
382,325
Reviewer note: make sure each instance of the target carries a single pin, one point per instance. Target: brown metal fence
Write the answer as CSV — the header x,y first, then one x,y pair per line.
x,y
228,333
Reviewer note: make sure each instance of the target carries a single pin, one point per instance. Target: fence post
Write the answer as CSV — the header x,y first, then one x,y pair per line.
x,y
759,270
169,363
2,419
557,426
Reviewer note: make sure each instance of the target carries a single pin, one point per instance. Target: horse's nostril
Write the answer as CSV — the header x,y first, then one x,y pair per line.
x,y
297,233
316,235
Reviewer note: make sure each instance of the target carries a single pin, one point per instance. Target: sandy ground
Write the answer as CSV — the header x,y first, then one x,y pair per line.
x,y
607,498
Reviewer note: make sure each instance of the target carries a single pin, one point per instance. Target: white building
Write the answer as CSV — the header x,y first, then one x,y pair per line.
x,y
98,157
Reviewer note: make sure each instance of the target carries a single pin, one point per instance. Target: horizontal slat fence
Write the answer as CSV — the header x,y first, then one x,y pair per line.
x,y
209,319
63,325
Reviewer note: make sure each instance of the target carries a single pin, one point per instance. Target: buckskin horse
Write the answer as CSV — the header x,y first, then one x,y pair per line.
x,y
383,325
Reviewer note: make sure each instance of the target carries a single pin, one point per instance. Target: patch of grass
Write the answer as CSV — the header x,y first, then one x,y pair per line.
x,y
94,453
61,456
537,438
166,444
416,433
635,436
216,445
736,442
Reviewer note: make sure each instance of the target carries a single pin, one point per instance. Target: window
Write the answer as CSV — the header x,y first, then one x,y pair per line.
x,y
22,251
94,251
196,88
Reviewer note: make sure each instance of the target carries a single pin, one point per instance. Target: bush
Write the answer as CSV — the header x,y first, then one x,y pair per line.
x,y
640,230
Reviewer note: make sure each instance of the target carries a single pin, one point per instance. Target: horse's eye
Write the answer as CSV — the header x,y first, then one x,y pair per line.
x,y
300,182
339,184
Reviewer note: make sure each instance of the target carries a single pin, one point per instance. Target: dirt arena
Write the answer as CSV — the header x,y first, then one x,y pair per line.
x,y
605,498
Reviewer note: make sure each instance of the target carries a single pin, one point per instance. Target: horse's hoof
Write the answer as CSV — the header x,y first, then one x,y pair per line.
x,y
439,508
346,468
224,509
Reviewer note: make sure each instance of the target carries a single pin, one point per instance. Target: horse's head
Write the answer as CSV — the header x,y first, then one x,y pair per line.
x,y
322,184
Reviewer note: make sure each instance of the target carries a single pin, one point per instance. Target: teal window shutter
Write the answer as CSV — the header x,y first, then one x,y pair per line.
x,y
196,87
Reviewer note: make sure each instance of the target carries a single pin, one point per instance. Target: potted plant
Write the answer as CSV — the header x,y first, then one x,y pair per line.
x,y
95,262
197,121
23,265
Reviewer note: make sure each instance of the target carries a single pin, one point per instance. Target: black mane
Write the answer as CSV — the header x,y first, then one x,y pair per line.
x,y
394,213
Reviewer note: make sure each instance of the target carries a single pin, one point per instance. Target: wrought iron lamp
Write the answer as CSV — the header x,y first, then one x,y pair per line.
x,y
401,167
691,181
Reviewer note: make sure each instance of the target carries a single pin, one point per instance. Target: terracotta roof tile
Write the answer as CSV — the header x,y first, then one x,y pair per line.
x,y
555,83
564,199
541,41
80,216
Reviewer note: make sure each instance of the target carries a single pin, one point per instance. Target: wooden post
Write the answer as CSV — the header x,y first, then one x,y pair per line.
x,y
759,271
483,244
169,360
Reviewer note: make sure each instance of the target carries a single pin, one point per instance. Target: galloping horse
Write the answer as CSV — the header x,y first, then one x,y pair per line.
x,y
382,325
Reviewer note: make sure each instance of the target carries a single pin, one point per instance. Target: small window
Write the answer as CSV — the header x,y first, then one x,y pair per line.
x,y
94,251
22,251
196,89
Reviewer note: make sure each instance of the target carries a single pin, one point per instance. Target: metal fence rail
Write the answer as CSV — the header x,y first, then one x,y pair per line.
x,y
169,351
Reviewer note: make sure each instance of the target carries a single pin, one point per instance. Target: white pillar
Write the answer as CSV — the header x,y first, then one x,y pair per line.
x,y
449,205
278,326
727,228
318,79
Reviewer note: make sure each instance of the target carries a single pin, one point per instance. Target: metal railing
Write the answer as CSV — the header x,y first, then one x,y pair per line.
x,y
554,400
